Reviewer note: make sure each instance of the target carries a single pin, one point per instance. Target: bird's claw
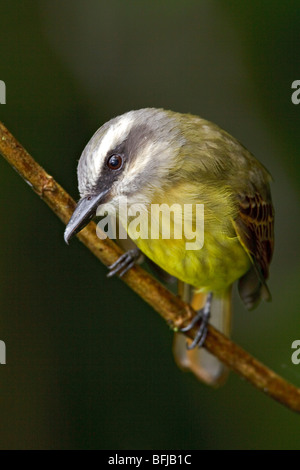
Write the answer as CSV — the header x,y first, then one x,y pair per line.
x,y
202,316
124,263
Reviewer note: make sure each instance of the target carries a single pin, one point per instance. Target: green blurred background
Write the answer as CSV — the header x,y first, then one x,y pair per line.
x,y
89,365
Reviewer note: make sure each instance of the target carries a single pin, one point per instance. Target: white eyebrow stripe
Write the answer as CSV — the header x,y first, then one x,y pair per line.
x,y
116,133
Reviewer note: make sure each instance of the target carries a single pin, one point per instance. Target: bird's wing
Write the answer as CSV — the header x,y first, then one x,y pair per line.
x,y
254,226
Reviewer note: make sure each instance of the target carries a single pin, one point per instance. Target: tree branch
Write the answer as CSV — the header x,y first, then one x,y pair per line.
x,y
171,308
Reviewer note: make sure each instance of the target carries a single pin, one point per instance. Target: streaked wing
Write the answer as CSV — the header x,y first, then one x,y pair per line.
x,y
255,229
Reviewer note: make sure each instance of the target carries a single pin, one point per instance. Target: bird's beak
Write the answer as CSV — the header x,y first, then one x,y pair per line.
x,y
85,211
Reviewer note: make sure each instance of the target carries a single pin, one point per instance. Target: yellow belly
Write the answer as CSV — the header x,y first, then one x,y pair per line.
x,y
221,260
212,268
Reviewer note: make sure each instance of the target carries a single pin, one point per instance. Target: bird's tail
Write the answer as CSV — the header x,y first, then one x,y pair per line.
x,y
200,362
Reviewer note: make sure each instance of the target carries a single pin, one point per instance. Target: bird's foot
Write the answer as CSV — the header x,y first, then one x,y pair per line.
x,y
124,263
202,316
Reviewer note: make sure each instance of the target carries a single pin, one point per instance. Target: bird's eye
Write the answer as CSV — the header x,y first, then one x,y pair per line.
x,y
115,162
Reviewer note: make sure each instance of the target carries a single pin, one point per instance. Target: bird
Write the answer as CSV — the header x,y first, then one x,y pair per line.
x,y
153,156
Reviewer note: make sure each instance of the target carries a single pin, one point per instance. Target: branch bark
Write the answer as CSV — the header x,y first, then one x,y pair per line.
x,y
171,308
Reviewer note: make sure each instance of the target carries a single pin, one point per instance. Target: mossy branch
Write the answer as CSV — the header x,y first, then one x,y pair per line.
x,y
171,308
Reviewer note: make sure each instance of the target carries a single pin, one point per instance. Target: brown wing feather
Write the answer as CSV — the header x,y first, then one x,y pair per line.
x,y
255,228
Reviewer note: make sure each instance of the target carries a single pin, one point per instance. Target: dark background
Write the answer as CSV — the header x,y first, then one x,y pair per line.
x,y
89,365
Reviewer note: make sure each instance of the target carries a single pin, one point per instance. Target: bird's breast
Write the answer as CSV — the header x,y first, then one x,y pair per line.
x,y
198,253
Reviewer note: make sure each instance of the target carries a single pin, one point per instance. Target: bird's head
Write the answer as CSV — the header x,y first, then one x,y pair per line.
x,y
131,156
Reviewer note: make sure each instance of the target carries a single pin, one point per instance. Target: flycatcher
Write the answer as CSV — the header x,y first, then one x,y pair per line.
x,y
152,156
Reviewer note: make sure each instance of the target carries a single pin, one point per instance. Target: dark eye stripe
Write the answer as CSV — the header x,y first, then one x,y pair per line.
x,y
115,162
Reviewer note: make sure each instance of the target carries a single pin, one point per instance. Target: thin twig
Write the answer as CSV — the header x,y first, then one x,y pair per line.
x,y
170,307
